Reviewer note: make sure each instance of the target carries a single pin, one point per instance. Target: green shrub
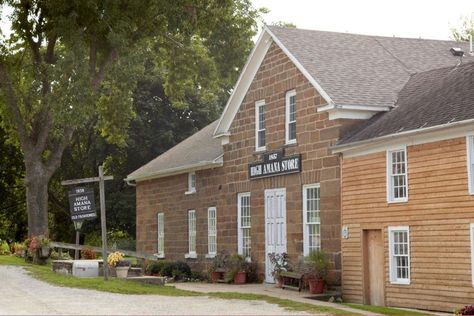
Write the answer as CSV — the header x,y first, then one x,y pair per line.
x,y
4,248
178,270
155,267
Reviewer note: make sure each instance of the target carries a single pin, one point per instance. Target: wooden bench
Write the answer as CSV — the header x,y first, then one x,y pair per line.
x,y
292,280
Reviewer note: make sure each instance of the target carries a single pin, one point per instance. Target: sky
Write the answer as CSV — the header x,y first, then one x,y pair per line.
x,y
429,19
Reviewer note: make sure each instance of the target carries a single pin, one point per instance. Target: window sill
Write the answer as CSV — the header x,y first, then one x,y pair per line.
x,y
189,192
290,143
210,256
159,255
260,150
400,282
397,201
191,255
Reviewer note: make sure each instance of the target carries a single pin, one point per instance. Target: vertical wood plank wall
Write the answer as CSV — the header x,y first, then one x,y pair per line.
x,y
439,212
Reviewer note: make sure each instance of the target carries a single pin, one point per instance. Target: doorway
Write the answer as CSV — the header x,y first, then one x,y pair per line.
x,y
373,254
275,227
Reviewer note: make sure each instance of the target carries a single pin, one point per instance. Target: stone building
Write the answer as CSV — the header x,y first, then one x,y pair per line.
x,y
263,177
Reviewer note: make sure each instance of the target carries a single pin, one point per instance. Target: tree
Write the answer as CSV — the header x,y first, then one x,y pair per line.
x,y
467,28
71,65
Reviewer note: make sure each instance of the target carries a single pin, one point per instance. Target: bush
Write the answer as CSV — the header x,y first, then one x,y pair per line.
x,y
466,310
4,248
177,270
88,254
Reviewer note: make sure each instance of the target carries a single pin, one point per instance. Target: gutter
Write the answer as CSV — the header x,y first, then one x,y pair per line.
x,y
344,147
178,170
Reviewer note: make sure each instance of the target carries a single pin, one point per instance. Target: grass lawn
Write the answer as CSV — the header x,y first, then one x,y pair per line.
x,y
114,285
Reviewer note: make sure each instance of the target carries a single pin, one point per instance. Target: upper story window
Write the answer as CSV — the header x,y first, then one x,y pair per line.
x,y
397,178
260,125
290,126
399,247
191,182
470,162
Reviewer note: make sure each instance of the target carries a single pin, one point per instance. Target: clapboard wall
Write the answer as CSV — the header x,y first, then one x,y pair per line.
x,y
438,212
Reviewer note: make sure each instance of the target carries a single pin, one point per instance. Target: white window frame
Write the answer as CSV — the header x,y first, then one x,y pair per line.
x,y
192,254
289,94
305,217
392,264
191,182
471,228
211,232
470,162
240,228
160,231
390,195
258,104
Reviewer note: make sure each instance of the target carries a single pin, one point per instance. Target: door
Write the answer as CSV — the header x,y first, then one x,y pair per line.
x,y
374,267
275,227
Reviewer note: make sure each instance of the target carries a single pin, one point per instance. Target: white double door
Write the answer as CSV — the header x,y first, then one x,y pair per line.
x,y
275,227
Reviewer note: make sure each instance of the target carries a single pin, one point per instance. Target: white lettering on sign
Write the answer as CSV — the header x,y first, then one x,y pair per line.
x,y
285,165
272,156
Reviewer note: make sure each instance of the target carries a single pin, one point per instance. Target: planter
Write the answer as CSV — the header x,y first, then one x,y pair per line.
x,y
279,282
240,277
44,252
216,276
316,285
122,272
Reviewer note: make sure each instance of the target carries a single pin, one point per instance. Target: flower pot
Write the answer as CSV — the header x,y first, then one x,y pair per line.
x,y
240,277
316,285
44,252
122,272
216,276
279,282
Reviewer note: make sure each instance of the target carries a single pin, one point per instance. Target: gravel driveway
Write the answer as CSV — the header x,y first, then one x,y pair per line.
x,y
22,294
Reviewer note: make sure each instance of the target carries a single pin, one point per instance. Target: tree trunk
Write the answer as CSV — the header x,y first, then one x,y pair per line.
x,y
36,182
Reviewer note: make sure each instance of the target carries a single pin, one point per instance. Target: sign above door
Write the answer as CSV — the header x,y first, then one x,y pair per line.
x,y
275,164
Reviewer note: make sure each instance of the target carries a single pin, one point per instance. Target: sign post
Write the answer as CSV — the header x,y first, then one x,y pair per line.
x,y
82,205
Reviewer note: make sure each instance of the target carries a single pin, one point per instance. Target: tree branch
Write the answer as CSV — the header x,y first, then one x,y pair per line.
x,y
13,108
35,47
100,75
93,55
49,57
57,151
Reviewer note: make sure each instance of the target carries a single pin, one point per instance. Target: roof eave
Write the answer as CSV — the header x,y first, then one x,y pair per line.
x,y
377,140
202,165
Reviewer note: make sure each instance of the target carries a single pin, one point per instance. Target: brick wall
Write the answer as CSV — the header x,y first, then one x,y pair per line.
x,y
219,187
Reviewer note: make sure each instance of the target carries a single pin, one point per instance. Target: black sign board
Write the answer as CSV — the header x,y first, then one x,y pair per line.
x,y
82,204
274,164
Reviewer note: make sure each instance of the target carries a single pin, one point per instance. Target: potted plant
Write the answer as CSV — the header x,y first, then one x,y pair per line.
x,y
280,263
115,259
44,246
317,265
237,272
218,266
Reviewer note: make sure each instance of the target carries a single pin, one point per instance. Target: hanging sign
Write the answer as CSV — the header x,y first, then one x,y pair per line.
x,y
274,164
82,204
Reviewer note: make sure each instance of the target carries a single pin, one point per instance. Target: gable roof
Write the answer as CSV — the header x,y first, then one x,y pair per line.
x,y
197,152
348,70
432,98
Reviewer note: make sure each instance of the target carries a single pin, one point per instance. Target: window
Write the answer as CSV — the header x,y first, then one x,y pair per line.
x,y
311,218
161,235
260,125
290,126
399,244
191,234
191,182
211,231
397,180
470,162
472,253
244,224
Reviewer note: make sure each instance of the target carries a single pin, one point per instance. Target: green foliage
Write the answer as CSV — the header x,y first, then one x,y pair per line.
x,y
69,73
178,270
4,248
317,263
467,28
284,24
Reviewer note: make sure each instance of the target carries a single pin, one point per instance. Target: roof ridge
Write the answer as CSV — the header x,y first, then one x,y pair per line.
x,y
367,35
